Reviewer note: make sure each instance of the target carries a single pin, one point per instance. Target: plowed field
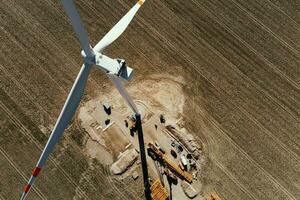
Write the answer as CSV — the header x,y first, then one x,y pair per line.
x,y
241,63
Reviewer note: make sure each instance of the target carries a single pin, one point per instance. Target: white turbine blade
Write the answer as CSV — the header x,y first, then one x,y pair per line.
x,y
77,25
62,122
118,83
118,29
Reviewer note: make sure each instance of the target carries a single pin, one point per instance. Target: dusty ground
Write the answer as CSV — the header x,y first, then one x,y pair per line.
x,y
154,95
161,93
240,62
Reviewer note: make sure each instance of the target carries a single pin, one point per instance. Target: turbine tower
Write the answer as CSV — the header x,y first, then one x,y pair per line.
x,y
115,69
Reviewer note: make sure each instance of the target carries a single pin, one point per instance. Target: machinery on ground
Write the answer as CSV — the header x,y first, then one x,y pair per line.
x,y
115,69
158,191
160,156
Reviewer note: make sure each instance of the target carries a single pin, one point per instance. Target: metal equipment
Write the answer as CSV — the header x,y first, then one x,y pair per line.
x,y
158,192
156,154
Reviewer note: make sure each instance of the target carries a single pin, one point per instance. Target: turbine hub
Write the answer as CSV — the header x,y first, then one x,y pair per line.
x,y
88,59
83,54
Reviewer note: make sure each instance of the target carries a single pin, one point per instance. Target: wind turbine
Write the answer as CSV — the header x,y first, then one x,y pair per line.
x,y
116,70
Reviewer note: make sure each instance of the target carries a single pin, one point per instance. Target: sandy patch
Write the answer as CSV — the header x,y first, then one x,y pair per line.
x,y
97,151
160,93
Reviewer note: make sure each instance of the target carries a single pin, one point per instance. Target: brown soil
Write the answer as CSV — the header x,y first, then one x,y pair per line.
x,y
240,62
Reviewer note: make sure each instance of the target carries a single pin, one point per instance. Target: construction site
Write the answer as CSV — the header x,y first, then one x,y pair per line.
x,y
213,85
174,157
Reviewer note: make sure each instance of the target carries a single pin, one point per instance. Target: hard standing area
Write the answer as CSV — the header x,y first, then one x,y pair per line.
x,y
240,63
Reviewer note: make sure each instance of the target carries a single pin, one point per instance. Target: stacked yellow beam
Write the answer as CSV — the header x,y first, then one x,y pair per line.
x,y
158,192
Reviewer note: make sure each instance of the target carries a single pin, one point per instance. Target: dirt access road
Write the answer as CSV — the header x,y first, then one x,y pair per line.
x,y
240,61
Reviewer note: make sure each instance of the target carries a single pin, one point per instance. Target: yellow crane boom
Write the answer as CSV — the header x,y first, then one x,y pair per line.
x,y
157,154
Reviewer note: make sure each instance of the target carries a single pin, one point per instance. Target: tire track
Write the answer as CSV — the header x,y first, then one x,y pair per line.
x,y
253,83
28,21
241,74
208,144
271,65
225,171
238,147
282,11
195,35
82,180
235,180
219,164
183,54
1,197
7,157
43,70
35,103
28,135
259,89
52,40
241,186
21,88
276,8
112,184
223,133
32,59
262,25
240,108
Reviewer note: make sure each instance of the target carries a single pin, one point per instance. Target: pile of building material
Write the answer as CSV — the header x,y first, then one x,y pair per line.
x,y
187,139
125,160
135,175
189,190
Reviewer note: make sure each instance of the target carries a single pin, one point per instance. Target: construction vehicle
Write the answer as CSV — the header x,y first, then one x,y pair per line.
x,y
184,161
171,176
131,122
159,147
173,153
158,155
212,196
158,192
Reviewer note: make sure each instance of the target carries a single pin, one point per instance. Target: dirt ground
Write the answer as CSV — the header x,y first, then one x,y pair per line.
x,y
154,95
161,93
239,61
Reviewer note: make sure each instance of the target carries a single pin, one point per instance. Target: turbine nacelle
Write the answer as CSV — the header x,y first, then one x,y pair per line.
x,y
117,66
124,72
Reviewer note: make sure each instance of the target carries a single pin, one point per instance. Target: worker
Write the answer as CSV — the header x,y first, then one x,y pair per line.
x,y
132,130
155,126
126,123
107,121
107,108
162,119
